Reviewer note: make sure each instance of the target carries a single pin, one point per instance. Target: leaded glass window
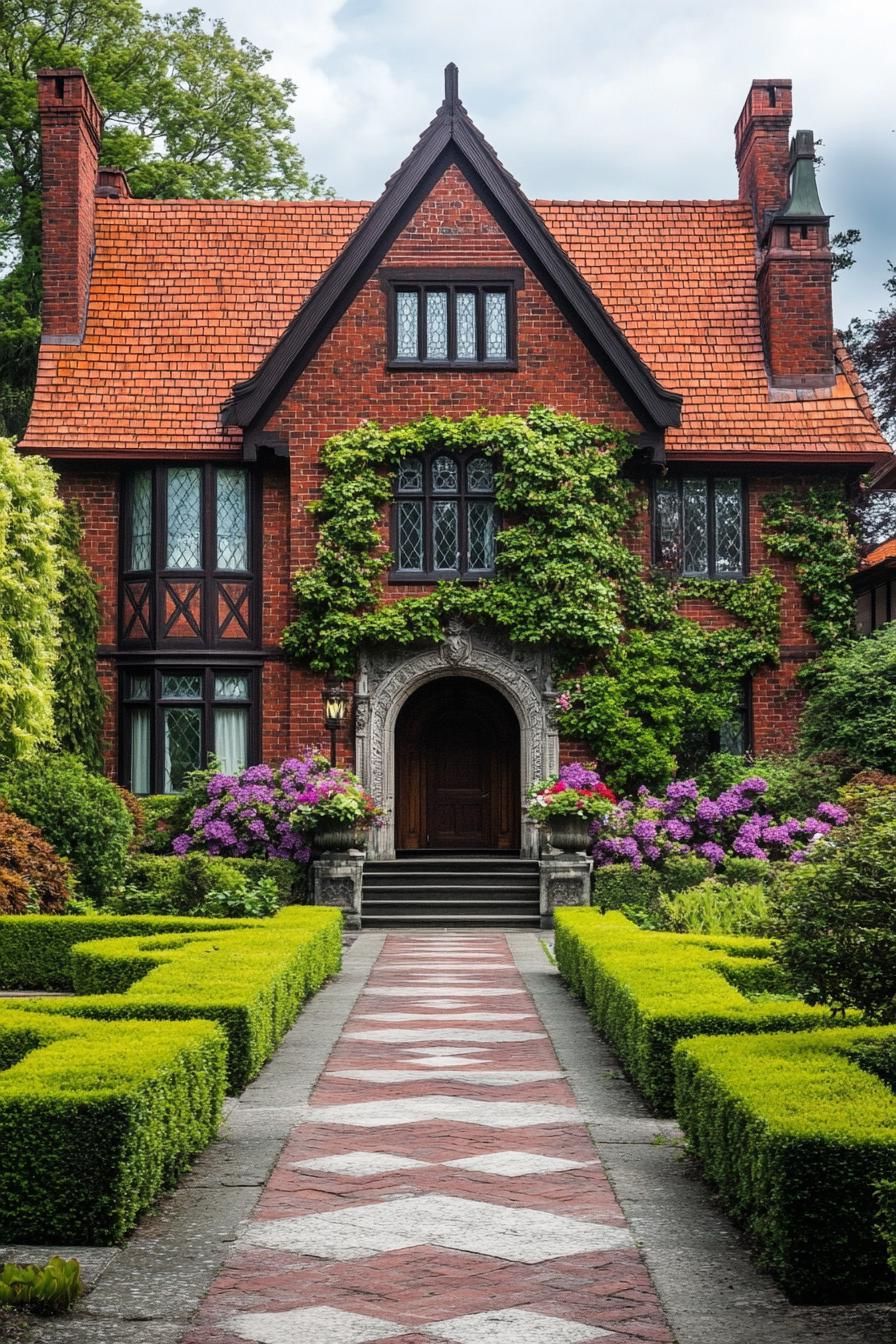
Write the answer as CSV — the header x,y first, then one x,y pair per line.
x,y
444,516
444,474
407,335
232,520
698,526
495,325
410,534
139,547
465,324
437,324
174,720
733,735
183,506
452,322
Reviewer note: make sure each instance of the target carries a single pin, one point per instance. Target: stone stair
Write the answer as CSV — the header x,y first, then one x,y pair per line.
x,y
451,891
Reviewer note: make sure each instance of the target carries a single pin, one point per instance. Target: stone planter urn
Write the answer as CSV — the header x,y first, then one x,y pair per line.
x,y
568,834
337,837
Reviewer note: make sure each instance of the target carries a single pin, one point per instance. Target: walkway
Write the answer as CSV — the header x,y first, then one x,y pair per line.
x,y
444,1186
438,1182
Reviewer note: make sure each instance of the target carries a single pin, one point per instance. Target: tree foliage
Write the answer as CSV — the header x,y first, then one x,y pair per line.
x,y
872,344
851,707
79,703
188,111
29,600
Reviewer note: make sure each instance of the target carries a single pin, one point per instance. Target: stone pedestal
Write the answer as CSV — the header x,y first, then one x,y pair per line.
x,y
565,879
336,881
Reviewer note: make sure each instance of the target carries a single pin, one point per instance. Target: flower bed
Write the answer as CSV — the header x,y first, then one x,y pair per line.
x,y
682,822
577,791
272,812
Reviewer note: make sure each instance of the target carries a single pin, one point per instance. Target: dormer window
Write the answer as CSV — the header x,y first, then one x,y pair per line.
x,y
446,321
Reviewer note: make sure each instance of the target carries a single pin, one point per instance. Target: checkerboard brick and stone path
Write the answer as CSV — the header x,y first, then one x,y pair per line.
x,y
441,1185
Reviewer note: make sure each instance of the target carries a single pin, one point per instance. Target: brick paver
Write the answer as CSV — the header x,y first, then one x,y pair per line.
x,y
442,1185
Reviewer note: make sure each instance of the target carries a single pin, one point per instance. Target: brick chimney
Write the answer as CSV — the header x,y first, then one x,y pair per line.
x,y
794,272
70,127
762,148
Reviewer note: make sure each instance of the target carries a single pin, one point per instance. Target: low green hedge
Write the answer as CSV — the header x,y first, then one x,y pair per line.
x,y
97,1118
799,1139
35,950
251,977
645,991
619,885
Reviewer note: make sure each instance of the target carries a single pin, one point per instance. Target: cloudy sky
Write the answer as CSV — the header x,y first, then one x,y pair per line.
x,y
586,98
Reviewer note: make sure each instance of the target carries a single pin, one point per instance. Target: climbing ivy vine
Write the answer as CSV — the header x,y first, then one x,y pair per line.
x,y
638,680
813,528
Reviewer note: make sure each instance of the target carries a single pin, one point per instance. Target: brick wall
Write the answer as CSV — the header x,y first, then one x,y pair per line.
x,y
70,137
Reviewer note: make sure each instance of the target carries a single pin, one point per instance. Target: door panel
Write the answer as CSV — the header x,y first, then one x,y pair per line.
x,y
457,769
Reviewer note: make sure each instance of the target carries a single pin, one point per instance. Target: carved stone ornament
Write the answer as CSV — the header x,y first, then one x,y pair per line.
x,y
388,677
336,891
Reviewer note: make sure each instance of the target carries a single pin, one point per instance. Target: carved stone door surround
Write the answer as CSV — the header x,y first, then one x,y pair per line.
x,y
387,678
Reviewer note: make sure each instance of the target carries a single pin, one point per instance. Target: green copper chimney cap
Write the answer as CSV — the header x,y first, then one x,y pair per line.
x,y
804,202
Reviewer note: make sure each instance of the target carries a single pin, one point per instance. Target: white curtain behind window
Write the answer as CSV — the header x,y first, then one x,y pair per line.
x,y
232,739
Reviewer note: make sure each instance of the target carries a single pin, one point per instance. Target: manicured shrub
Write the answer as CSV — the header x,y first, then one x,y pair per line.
x,y
837,919
252,978
81,814
646,990
715,906
32,875
35,950
797,1137
886,1224
97,1118
851,706
138,820
865,788
679,874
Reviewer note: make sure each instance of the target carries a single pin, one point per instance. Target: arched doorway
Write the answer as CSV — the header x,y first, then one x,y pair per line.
x,y
457,763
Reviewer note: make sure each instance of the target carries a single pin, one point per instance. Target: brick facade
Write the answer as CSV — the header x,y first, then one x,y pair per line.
x,y
701,321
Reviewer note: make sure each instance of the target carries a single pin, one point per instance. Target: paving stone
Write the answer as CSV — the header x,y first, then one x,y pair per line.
x,y
468,1110
532,1236
405,1035
484,1078
310,1325
513,1327
359,1163
512,1163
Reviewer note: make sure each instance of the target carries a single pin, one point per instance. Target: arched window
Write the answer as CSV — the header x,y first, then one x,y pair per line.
x,y
444,517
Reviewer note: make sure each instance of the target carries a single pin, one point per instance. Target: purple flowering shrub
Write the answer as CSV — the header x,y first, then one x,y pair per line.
x,y
271,811
684,822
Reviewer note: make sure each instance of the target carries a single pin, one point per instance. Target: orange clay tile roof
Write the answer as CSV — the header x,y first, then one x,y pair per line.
x,y
187,296
885,551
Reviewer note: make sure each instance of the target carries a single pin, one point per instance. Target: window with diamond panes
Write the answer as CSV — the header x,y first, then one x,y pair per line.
x,y
187,557
444,517
172,721
698,526
447,322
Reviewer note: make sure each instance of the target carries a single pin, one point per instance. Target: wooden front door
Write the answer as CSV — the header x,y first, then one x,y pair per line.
x,y
457,765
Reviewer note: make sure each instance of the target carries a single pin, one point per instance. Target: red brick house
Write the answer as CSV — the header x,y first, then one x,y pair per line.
x,y
196,354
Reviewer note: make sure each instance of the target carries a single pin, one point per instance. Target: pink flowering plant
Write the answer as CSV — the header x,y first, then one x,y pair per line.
x,y
577,791
272,811
682,821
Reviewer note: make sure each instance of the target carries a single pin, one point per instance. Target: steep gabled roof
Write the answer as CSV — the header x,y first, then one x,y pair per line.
x,y
452,138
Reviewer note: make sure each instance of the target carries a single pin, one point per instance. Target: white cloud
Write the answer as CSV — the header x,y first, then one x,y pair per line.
x,y
592,99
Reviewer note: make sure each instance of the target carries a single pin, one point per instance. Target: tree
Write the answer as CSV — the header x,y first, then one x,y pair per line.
x,y
188,111
872,344
78,704
851,706
29,600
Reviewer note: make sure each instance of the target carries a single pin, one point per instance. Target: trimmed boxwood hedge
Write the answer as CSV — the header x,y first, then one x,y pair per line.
x,y
645,990
250,976
799,1138
97,1118
35,950
164,879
